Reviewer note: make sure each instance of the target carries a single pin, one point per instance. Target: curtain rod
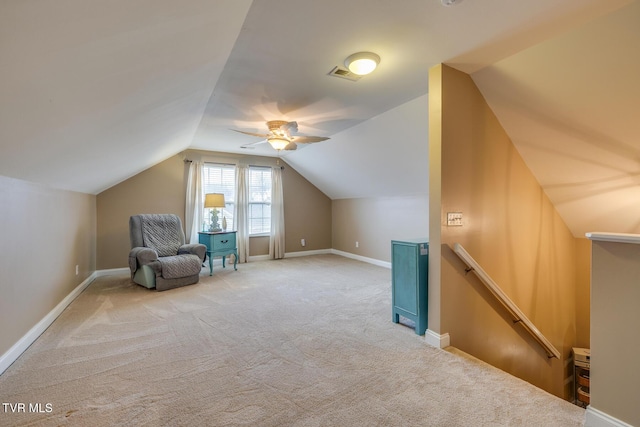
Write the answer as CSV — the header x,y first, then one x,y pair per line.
x,y
259,166
254,166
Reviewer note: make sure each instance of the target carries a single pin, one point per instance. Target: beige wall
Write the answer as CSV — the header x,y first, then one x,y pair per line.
x,y
511,228
583,293
307,214
434,291
615,312
374,222
45,233
161,189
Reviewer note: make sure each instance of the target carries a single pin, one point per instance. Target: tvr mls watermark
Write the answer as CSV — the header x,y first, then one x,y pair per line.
x,y
43,408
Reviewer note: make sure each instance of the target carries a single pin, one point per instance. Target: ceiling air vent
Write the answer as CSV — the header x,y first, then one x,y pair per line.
x,y
343,73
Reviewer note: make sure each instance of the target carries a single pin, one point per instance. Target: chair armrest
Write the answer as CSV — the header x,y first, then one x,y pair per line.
x,y
193,248
141,256
144,255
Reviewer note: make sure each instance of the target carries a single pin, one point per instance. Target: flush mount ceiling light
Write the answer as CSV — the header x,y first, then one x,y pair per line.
x,y
450,2
362,63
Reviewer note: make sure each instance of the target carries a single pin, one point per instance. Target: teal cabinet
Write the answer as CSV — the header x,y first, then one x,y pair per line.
x,y
219,243
409,279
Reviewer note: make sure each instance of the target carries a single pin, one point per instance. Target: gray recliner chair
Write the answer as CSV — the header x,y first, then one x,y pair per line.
x,y
159,257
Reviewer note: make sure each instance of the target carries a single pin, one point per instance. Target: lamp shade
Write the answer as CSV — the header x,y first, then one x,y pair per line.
x,y
214,200
362,63
278,143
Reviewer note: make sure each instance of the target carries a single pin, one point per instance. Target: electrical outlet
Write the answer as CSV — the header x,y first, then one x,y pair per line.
x,y
357,244
77,270
303,242
454,219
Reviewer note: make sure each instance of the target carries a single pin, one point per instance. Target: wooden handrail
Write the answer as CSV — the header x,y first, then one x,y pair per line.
x,y
511,307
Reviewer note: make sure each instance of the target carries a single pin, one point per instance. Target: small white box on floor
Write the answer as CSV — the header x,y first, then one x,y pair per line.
x,y
582,357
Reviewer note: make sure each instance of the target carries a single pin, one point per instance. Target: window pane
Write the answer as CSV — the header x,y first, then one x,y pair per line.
x,y
259,200
220,178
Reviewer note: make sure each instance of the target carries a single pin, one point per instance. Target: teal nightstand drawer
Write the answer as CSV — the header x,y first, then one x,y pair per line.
x,y
224,241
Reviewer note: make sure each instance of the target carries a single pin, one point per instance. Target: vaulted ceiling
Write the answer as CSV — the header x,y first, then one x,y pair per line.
x,y
93,92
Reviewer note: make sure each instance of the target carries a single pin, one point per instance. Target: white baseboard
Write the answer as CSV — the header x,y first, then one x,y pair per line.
x,y
434,339
29,338
307,253
317,252
112,271
373,261
596,418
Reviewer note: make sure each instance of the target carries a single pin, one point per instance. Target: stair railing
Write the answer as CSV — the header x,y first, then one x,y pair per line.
x,y
512,308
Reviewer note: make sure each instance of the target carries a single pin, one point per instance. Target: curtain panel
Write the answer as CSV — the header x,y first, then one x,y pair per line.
x,y
194,207
241,217
276,241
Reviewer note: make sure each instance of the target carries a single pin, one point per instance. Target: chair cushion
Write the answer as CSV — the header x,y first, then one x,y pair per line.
x,y
174,267
161,233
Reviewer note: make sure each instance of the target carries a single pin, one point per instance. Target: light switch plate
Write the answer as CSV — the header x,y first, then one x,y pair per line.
x,y
454,219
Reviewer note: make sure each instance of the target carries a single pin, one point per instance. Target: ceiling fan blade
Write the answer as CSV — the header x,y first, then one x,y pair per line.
x,y
260,135
251,145
291,127
291,146
308,139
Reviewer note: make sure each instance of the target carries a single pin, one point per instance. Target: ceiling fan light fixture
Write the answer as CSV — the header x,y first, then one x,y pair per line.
x,y
278,143
362,63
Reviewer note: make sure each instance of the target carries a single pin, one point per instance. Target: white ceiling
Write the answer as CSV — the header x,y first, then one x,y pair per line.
x,y
93,92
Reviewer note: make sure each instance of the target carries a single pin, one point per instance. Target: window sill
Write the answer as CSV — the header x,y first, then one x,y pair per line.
x,y
260,235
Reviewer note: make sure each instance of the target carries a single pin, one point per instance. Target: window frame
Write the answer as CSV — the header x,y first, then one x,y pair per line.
x,y
266,230
230,194
229,211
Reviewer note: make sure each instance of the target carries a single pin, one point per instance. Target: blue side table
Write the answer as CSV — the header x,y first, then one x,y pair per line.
x,y
409,277
219,243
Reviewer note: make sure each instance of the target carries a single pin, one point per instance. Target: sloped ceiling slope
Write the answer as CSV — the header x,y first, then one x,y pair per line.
x,y
571,106
94,92
365,160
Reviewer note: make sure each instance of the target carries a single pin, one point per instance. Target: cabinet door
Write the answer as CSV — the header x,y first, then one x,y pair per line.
x,y
405,277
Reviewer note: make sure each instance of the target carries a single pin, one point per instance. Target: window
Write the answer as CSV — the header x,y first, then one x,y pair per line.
x,y
220,178
259,200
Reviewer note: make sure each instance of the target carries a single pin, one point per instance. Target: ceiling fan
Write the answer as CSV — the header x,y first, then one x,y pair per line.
x,y
280,136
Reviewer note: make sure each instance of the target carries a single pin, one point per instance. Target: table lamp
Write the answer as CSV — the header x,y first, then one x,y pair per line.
x,y
214,201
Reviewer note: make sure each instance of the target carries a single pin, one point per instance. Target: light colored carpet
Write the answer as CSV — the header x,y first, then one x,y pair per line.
x,y
298,342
